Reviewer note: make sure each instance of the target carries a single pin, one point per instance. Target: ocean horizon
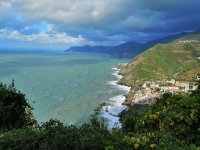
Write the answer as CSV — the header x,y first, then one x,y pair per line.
x,y
66,86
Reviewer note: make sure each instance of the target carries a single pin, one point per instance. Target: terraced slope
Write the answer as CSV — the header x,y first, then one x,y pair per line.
x,y
160,62
189,74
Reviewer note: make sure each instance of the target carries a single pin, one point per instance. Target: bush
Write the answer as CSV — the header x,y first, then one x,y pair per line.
x,y
171,119
15,111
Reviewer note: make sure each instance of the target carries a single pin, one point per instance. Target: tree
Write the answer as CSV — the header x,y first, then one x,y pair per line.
x,y
15,111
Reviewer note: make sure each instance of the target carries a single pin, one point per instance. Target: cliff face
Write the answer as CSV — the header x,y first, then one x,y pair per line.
x,y
121,65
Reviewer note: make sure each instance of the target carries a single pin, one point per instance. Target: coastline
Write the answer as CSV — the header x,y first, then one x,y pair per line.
x,y
126,102
114,105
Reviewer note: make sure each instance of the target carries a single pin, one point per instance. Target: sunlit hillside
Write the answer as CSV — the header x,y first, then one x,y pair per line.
x,y
160,62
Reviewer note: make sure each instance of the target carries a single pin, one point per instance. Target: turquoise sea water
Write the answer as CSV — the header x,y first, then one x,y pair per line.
x,y
65,86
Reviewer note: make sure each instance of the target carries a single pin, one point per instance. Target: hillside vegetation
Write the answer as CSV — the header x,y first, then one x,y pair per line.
x,y
188,75
160,62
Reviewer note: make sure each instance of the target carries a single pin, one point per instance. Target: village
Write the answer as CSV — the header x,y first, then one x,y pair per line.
x,y
152,90
189,41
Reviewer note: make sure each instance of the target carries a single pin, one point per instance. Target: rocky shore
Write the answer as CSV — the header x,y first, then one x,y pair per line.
x,y
128,96
124,68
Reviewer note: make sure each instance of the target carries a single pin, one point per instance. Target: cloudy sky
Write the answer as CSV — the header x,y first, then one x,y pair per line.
x,y
59,24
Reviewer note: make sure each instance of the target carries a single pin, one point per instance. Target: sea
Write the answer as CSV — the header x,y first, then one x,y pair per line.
x,y
66,86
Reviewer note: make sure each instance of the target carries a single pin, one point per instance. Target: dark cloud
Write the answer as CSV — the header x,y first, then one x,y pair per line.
x,y
100,21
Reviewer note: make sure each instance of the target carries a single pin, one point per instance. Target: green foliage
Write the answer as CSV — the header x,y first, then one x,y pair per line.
x,y
15,111
24,138
172,119
161,61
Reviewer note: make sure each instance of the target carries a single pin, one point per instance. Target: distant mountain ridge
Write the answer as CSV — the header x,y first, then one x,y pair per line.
x,y
121,51
130,49
87,48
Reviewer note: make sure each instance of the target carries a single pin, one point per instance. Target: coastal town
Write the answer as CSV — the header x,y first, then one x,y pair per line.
x,y
149,91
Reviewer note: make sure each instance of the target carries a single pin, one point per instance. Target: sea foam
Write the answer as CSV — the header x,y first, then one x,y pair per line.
x,y
114,105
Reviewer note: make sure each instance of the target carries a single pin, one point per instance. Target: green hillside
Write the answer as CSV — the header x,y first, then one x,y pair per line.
x,y
193,37
161,61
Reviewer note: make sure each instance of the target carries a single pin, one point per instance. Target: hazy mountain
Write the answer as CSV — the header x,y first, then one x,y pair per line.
x,y
130,49
87,48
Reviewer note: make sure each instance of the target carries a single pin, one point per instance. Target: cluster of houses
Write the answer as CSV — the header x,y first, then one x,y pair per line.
x,y
146,96
152,90
189,41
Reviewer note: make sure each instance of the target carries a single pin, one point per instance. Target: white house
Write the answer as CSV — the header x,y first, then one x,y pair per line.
x,y
172,81
164,88
197,77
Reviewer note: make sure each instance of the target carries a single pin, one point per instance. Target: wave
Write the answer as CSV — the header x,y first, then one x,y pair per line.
x,y
115,69
115,73
110,112
114,104
111,116
120,87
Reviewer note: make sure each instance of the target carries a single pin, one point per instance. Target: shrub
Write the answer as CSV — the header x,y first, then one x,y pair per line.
x,y
15,111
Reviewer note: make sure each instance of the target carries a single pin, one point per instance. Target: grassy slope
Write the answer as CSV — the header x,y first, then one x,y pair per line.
x,y
160,61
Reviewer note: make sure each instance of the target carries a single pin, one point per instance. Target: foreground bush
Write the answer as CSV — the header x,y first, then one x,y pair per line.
x,y
15,111
172,123
172,120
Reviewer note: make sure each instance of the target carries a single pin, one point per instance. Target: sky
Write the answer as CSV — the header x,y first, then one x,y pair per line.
x,y
59,24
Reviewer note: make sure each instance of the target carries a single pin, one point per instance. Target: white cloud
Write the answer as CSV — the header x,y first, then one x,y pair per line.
x,y
5,4
75,12
4,9
42,37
